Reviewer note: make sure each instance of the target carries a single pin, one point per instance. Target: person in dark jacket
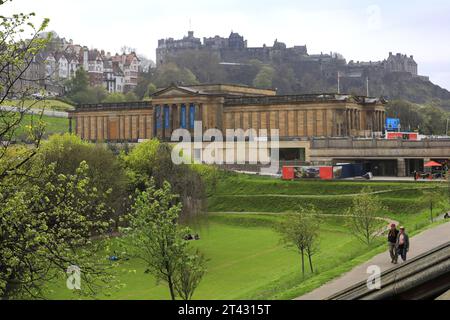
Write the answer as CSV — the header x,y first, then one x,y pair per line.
x,y
392,242
402,244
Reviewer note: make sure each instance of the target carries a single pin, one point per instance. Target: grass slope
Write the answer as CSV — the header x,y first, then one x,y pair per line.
x,y
243,193
52,125
48,104
246,260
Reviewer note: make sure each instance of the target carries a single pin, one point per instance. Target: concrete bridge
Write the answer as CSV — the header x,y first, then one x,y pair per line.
x,y
383,157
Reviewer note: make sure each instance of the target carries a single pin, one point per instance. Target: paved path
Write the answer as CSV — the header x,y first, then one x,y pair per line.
x,y
419,244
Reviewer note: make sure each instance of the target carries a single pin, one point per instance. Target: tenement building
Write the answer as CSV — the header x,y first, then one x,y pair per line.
x,y
224,106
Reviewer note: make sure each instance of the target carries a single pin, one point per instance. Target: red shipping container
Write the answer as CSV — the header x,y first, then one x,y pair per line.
x,y
326,173
288,173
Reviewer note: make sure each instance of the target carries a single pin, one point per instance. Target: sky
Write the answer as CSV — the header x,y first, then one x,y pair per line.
x,y
360,30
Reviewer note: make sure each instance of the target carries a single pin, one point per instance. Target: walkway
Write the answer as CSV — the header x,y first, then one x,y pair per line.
x,y
420,244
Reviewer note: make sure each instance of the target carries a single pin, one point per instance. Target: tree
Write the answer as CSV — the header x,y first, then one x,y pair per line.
x,y
79,91
204,65
189,274
284,79
264,78
151,89
115,97
158,240
300,230
131,97
363,216
435,120
144,80
47,221
312,239
17,53
434,197
152,159
79,83
170,73
105,172
409,114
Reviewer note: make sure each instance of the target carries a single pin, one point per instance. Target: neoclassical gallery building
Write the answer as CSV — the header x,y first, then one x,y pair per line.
x,y
222,106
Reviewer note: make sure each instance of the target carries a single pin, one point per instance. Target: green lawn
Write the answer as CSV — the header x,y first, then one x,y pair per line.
x,y
246,259
53,125
243,193
238,184
48,104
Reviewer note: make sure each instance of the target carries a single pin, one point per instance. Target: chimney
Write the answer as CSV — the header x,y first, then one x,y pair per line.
x,y
390,54
190,34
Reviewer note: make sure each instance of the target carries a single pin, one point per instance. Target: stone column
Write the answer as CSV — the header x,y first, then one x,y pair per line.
x,y
381,121
377,122
401,167
175,117
360,120
347,119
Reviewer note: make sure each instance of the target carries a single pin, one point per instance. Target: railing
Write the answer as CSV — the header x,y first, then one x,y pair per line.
x,y
265,100
423,277
353,143
112,106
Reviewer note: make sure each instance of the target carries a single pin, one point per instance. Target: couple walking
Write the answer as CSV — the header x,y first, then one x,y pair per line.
x,y
398,243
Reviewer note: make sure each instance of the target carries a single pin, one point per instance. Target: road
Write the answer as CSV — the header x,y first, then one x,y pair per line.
x,y
419,244
50,113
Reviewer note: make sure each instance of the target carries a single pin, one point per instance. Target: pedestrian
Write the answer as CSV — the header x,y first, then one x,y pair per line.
x,y
402,244
392,242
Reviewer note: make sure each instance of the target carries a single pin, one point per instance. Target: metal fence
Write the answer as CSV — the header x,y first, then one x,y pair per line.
x,y
352,143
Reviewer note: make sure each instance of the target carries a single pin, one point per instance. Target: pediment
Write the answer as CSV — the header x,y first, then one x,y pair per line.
x,y
174,92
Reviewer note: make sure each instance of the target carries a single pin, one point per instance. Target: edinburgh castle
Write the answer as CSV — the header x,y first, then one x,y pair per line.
x,y
234,51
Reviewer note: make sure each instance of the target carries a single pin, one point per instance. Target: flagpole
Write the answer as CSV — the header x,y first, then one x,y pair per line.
x,y
339,82
367,79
